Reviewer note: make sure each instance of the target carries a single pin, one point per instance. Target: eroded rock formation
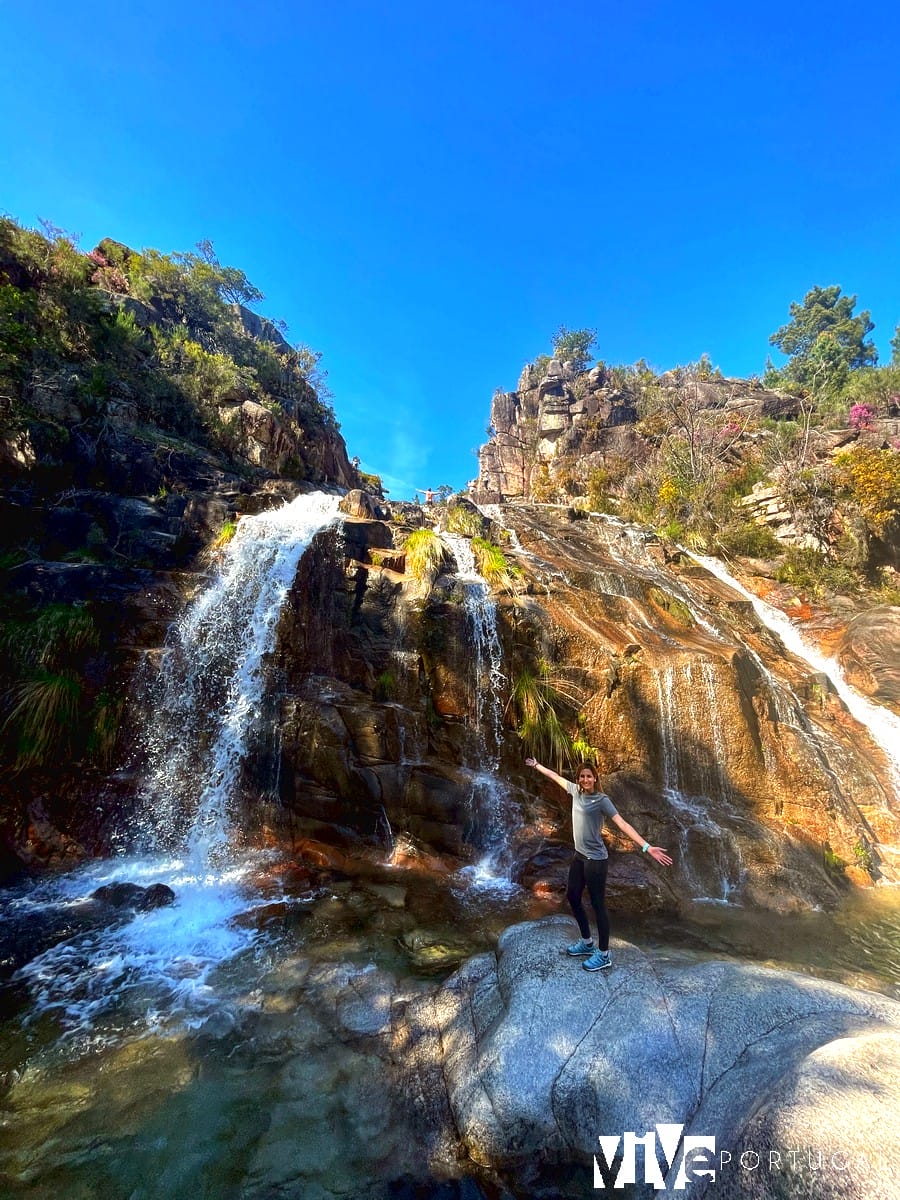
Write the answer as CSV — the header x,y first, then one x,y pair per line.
x,y
555,416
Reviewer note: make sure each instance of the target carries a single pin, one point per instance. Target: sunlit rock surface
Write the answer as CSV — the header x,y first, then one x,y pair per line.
x,y
536,1058
711,738
868,652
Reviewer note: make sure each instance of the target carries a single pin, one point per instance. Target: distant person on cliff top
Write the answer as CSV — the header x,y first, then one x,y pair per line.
x,y
428,494
588,869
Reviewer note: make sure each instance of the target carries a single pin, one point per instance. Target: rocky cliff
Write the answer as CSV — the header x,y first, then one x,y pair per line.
x,y
143,408
710,736
146,416
563,423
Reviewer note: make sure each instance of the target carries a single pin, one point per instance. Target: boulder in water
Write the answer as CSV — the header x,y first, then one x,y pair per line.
x,y
132,895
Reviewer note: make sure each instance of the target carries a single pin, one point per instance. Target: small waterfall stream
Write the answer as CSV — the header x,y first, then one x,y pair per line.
x,y
692,813
883,725
492,811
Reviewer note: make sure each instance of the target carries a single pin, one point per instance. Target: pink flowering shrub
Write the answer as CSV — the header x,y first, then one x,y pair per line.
x,y
861,416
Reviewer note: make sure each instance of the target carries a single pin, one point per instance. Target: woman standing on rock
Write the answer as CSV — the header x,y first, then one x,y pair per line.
x,y
588,869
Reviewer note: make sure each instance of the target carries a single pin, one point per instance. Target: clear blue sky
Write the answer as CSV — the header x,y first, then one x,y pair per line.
x,y
425,193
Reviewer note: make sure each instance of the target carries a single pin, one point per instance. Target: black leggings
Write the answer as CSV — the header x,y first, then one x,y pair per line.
x,y
590,871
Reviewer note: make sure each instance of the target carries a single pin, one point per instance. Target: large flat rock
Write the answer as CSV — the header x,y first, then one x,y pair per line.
x,y
538,1058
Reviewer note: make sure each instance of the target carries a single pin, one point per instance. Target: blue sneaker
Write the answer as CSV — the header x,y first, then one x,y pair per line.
x,y
581,947
599,961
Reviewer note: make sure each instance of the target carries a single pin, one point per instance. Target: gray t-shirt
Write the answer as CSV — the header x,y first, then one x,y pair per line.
x,y
588,811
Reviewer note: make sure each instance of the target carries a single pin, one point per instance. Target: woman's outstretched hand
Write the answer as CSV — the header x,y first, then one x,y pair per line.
x,y
661,856
531,762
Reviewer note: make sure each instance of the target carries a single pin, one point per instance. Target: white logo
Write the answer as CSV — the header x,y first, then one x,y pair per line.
x,y
697,1157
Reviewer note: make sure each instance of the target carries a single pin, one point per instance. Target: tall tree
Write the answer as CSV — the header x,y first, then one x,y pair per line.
x,y
824,341
895,344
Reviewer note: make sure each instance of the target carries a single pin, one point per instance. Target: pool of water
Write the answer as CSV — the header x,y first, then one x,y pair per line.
x,y
858,945
183,1052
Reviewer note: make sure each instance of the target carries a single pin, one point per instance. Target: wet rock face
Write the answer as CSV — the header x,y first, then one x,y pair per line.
x,y
711,741
868,653
361,672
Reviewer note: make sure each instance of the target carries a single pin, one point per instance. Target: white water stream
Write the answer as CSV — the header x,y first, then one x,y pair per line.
x,y
491,807
882,724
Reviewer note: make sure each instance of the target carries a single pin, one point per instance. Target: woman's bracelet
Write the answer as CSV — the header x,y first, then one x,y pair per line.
x,y
645,847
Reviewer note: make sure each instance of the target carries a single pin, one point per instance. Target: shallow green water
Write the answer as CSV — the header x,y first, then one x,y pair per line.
x,y
256,1097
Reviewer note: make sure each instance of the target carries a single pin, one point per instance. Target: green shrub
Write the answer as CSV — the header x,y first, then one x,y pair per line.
x,y
811,571
871,477
749,539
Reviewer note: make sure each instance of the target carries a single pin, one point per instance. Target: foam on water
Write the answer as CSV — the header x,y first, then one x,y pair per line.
x,y
149,967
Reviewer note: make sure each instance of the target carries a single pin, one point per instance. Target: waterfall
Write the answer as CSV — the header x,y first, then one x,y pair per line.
x,y
206,702
701,836
883,726
205,706
491,809
494,513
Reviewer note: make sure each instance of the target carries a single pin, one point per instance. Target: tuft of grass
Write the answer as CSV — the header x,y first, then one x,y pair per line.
x,y
832,862
225,535
106,719
464,521
493,564
385,686
59,636
219,542
534,700
424,554
48,656
43,718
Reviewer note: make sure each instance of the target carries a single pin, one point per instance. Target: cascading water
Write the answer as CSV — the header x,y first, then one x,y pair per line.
x,y
691,812
204,706
883,726
492,810
206,703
